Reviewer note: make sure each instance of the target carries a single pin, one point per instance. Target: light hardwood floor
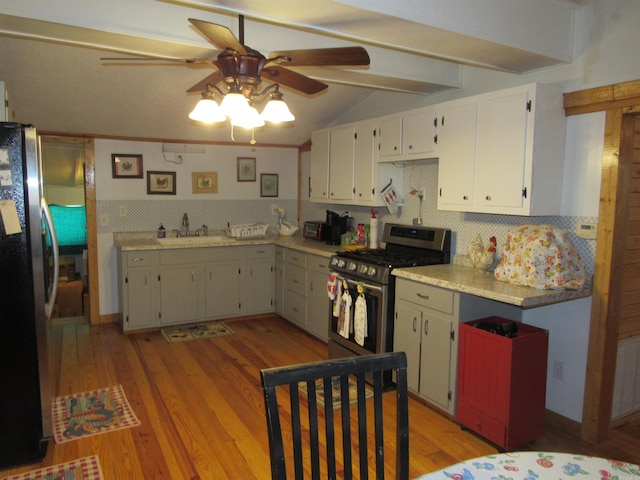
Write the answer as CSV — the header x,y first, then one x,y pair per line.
x,y
202,409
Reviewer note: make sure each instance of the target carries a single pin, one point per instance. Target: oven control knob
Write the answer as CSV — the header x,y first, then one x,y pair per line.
x,y
341,263
362,269
352,267
334,262
372,271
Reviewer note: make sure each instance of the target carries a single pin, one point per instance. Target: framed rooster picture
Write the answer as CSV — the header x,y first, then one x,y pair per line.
x,y
161,183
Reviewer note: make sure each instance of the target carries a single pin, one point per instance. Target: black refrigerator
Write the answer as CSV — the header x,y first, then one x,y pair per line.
x,y
27,296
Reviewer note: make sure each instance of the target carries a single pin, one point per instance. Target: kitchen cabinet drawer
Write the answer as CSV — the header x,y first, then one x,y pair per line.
x,y
296,280
427,296
296,258
319,264
296,309
481,423
138,259
258,252
184,256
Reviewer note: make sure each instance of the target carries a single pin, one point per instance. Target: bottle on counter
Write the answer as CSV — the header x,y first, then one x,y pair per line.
x,y
162,233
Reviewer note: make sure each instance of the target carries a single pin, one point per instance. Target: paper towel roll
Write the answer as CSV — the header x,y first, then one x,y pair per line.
x,y
373,234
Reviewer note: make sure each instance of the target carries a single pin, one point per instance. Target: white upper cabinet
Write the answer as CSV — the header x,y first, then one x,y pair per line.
x,y
409,136
500,152
517,163
457,153
390,148
341,163
366,169
354,175
319,166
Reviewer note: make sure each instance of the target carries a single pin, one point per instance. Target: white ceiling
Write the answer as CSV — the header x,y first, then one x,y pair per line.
x,y
50,57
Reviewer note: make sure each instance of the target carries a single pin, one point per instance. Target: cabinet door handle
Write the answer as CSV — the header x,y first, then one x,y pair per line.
x,y
193,277
426,327
145,280
311,285
423,296
410,147
488,198
415,323
465,197
137,259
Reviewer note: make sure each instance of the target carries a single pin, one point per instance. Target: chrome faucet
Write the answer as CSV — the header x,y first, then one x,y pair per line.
x,y
185,223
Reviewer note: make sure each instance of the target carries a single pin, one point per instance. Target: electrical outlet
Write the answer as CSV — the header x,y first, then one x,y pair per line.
x,y
104,220
123,210
558,370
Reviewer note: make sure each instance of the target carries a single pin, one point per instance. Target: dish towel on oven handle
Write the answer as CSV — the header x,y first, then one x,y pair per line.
x,y
344,319
360,319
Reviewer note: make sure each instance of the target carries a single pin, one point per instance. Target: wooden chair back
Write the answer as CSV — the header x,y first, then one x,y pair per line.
x,y
362,368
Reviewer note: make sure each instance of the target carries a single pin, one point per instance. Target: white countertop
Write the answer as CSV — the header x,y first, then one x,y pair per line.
x,y
130,241
466,279
457,277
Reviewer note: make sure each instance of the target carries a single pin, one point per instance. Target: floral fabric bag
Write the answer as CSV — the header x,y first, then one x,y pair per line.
x,y
540,256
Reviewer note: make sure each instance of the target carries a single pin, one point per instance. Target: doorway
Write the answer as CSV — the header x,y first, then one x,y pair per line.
x,y
69,186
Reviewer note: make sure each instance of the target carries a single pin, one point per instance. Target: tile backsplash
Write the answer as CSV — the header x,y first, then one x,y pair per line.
x,y
147,215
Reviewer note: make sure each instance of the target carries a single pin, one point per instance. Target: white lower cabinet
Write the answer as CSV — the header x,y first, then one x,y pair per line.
x,y
259,276
317,299
425,328
223,289
176,286
138,289
179,294
305,291
278,303
295,304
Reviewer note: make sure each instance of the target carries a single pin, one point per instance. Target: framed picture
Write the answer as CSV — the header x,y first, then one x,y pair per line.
x,y
126,165
204,182
161,183
268,184
246,169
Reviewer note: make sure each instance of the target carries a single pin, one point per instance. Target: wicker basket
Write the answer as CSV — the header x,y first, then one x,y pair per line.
x,y
248,231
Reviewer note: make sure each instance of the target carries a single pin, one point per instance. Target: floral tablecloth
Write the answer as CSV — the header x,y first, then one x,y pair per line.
x,y
537,466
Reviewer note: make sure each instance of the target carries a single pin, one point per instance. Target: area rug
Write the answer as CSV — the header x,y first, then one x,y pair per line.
x,y
87,468
90,413
196,331
353,392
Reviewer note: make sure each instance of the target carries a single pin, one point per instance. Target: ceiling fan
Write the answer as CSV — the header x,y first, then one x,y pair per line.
x,y
238,63
241,70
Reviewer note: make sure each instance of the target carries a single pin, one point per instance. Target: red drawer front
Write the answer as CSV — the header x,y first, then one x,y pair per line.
x,y
481,424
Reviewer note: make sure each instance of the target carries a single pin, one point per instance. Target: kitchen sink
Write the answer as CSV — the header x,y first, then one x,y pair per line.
x,y
201,240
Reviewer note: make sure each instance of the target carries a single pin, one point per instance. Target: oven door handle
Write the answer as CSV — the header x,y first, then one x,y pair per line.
x,y
355,283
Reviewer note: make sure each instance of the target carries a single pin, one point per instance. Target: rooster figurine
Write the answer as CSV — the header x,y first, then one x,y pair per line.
x,y
482,257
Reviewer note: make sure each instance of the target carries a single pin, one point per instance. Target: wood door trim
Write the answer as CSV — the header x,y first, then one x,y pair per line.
x,y
615,100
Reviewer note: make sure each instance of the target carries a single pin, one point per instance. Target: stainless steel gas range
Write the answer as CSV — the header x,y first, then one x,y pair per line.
x,y
366,274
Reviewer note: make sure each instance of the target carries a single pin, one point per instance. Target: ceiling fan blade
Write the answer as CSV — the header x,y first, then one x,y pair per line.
x,y
322,57
173,61
293,80
201,86
219,35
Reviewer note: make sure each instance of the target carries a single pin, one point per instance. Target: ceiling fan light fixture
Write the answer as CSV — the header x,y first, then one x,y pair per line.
x,y
207,111
235,104
277,111
248,119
